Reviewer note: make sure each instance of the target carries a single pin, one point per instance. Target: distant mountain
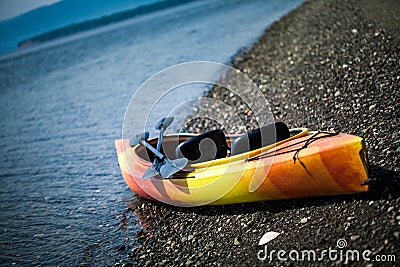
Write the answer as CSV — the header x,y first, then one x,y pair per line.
x,y
59,15
104,20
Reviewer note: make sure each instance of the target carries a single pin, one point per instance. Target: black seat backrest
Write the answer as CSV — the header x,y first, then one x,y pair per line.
x,y
260,137
207,146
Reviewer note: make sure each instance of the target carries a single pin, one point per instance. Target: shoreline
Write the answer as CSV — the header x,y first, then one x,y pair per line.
x,y
325,66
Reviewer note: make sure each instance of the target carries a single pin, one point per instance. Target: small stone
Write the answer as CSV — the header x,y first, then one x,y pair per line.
x,y
355,31
354,237
371,202
236,242
210,245
190,237
390,209
396,234
268,237
398,218
337,93
339,263
372,107
350,218
304,220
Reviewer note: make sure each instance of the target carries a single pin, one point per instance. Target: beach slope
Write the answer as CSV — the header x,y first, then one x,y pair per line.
x,y
328,65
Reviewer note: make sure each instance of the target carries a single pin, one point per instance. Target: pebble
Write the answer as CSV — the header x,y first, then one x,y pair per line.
x,y
354,237
339,263
210,245
236,242
268,237
390,209
398,218
304,220
372,107
396,234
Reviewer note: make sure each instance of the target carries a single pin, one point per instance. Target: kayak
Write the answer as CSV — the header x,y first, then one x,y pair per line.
x,y
307,164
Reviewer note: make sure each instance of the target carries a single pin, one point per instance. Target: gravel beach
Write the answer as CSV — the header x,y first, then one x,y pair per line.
x,y
328,65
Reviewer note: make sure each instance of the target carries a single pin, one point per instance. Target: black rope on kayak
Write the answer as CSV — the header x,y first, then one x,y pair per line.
x,y
306,142
310,140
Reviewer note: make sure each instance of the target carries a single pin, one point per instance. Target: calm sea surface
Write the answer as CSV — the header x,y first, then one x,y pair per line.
x,y
62,106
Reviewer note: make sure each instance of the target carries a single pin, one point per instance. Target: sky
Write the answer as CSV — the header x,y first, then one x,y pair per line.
x,y
12,8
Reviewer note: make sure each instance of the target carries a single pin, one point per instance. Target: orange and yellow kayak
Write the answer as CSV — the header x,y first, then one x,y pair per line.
x,y
307,164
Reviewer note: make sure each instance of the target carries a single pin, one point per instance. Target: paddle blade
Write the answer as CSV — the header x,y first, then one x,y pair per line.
x,y
171,167
164,123
150,172
134,141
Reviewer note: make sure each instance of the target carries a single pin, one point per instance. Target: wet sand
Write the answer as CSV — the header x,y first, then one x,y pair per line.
x,y
328,65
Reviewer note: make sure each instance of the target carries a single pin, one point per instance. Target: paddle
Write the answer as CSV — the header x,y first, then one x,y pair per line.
x,y
168,167
162,125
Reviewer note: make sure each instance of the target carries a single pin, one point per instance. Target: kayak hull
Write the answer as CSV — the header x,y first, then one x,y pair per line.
x,y
332,165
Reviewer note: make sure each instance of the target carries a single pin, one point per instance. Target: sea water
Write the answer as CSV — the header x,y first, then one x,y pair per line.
x,y
62,106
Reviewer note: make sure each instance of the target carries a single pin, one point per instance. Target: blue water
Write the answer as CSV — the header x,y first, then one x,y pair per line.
x,y
62,105
58,15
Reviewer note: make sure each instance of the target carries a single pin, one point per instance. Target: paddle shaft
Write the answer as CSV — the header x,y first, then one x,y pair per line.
x,y
152,149
159,143
160,138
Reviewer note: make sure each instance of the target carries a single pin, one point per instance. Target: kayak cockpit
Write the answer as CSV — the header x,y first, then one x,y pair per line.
x,y
206,151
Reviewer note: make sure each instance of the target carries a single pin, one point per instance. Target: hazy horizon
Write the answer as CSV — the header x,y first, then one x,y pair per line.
x,y
10,9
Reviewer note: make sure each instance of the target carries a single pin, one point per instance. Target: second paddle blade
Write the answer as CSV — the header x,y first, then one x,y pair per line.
x,y
173,166
150,172
164,123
